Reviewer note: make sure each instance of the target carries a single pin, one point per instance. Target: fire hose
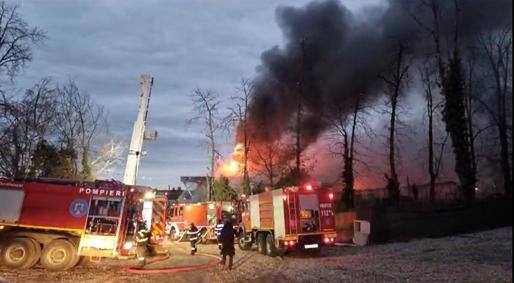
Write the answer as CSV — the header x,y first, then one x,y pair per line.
x,y
136,270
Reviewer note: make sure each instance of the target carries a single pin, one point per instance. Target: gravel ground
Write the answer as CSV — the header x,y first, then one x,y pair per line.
x,y
479,257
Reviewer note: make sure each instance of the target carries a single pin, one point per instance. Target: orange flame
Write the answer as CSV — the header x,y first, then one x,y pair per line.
x,y
232,167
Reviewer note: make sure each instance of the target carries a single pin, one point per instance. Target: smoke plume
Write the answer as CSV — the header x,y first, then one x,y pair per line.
x,y
331,56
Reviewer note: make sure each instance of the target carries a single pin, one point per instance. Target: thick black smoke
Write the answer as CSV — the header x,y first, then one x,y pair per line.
x,y
331,56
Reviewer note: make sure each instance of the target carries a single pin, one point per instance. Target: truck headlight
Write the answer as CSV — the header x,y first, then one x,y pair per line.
x,y
149,195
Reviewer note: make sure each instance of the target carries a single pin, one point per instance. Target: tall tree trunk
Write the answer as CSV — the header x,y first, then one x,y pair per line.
x,y
453,111
246,144
213,158
299,109
246,178
504,143
393,184
497,48
298,149
395,84
501,109
347,175
469,115
454,116
392,163
348,155
431,166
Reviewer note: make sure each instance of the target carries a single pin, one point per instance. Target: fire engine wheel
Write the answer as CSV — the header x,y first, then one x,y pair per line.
x,y
241,242
37,252
261,244
59,255
75,261
19,253
270,246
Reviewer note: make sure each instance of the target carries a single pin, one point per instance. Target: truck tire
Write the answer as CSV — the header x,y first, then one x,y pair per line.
x,y
261,244
75,261
270,246
59,255
37,252
18,253
243,245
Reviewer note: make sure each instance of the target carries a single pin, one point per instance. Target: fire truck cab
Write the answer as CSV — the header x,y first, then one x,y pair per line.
x,y
204,215
57,221
289,218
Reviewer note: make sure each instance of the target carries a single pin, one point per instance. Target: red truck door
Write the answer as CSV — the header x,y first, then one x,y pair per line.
x,y
326,210
104,222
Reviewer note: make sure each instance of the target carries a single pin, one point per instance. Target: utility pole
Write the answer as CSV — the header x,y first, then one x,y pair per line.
x,y
138,133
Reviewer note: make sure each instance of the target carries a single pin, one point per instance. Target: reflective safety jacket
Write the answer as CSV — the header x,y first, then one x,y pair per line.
x,y
193,234
142,237
217,229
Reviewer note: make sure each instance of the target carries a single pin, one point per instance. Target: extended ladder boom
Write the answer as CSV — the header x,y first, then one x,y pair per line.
x,y
138,133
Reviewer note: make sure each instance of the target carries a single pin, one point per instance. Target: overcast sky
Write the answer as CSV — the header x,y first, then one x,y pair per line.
x,y
106,45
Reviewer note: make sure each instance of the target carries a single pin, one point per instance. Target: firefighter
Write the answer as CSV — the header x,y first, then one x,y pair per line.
x,y
193,233
142,238
217,231
227,236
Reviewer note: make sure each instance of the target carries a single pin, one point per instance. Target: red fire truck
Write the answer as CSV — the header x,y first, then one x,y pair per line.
x,y
57,221
289,218
204,215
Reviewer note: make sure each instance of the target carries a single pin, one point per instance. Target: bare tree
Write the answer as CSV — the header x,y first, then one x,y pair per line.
x,y
497,50
394,81
268,160
16,38
238,117
205,105
78,121
343,127
451,80
434,159
469,106
18,126
107,155
48,119
24,123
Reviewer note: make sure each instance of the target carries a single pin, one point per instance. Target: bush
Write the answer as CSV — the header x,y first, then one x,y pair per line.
x,y
222,189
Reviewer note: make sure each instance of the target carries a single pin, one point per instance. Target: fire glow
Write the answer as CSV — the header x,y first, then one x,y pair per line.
x,y
232,167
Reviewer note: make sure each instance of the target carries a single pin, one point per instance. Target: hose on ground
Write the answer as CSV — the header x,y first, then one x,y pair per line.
x,y
136,270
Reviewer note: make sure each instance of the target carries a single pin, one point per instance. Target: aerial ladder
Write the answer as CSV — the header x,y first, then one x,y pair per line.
x,y
136,143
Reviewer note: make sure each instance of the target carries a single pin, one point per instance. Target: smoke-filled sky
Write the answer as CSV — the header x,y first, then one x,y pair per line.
x,y
106,45
331,56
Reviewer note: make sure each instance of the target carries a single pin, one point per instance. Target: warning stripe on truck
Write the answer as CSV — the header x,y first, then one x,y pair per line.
x,y
76,231
158,218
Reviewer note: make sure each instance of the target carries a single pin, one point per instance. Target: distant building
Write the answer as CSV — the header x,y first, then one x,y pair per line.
x,y
195,189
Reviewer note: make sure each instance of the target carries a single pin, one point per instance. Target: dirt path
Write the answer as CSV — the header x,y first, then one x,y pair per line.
x,y
479,257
